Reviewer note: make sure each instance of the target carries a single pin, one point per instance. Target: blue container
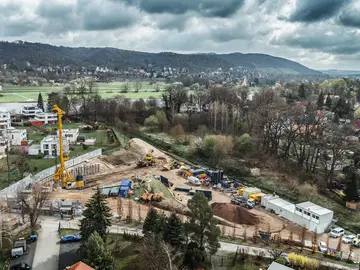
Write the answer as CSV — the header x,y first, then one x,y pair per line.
x,y
126,183
123,192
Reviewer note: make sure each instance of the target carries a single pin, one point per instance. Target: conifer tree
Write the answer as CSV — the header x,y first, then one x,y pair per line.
x,y
97,217
320,102
96,254
151,222
174,231
40,102
352,185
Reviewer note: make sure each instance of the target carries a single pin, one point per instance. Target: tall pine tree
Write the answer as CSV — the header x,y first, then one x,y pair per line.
x,y
320,102
40,102
202,227
151,222
328,102
174,231
352,185
97,217
302,91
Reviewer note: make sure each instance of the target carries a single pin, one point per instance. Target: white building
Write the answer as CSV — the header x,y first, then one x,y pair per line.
x,y
46,118
309,215
16,136
70,134
313,217
49,146
34,150
5,120
30,111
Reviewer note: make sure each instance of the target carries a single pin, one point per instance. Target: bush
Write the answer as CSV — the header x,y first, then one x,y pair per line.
x,y
281,260
243,143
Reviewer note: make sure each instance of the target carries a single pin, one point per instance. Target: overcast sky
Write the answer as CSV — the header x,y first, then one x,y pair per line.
x,y
317,33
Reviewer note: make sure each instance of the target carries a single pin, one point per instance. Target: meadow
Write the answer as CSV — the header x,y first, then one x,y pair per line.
x,y
14,93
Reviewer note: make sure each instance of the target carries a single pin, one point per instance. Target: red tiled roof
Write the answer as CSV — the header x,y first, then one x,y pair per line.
x,y
80,266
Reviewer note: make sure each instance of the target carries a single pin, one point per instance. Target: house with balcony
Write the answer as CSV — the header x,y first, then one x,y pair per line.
x,y
70,134
28,112
44,119
50,146
5,119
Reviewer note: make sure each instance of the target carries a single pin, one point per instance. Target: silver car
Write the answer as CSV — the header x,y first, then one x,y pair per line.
x,y
348,238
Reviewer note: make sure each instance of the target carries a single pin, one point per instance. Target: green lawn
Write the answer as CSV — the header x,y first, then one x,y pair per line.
x,y
13,93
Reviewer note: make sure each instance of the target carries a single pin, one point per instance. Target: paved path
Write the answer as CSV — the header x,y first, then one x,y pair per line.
x,y
228,247
47,247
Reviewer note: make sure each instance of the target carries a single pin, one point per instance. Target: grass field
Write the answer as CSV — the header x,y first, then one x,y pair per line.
x,y
13,93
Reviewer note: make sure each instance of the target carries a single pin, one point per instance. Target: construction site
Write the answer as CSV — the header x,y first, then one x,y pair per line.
x,y
139,176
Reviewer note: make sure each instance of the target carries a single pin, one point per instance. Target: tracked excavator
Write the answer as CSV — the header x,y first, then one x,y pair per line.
x,y
147,161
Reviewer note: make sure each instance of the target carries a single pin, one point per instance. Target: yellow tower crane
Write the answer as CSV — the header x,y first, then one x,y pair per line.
x,y
61,173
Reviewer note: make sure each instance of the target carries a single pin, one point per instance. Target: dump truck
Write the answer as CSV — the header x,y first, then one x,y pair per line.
x,y
239,200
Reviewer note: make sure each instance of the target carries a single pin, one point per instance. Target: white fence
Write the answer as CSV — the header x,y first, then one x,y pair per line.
x,y
10,191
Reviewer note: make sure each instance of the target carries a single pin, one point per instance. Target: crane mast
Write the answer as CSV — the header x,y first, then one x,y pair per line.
x,y
61,173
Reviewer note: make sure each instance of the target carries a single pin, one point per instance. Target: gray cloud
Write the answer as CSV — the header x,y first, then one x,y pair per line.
x,y
350,17
323,38
315,10
208,8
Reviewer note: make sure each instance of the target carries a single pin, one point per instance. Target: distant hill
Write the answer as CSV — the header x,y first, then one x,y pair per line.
x,y
19,53
342,73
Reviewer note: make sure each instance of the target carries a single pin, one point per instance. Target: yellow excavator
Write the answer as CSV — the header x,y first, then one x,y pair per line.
x,y
61,174
147,161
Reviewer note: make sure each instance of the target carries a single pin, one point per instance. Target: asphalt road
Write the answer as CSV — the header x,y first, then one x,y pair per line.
x,y
68,255
47,248
26,258
229,247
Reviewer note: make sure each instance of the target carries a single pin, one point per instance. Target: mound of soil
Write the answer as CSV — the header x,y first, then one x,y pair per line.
x,y
234,213
143,147
121,157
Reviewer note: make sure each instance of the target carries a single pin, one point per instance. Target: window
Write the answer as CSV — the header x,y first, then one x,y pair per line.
x,y
317,217
46,146
308,213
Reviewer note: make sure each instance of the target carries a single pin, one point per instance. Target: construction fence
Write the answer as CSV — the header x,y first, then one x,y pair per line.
x,y
11,190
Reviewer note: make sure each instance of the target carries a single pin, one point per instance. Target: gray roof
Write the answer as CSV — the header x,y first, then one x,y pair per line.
x,y
277,266
314,208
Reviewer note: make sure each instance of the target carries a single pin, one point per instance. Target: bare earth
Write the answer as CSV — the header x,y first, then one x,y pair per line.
x,y
113,173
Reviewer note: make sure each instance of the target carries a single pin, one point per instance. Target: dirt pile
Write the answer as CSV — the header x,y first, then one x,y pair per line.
x,y
234,213
139,146
121,157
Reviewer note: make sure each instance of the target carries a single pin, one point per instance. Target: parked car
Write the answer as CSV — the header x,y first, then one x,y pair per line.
x,y
17,252
348,238
322,247
337,232
20,266
70,238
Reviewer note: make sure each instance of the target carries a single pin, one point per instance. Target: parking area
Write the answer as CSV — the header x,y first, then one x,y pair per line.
x,y
26,258
68,255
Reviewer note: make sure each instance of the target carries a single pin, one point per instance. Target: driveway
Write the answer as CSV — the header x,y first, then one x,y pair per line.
x,y
27,258
48,246
68,255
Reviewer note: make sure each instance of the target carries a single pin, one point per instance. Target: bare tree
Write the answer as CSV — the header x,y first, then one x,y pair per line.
x,y
32,203
275,253
129,217
159,256
137,86
125,88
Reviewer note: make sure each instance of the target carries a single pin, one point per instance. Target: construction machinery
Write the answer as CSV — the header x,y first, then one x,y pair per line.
x,y
176,165
147,161
61,174
151,197
356,241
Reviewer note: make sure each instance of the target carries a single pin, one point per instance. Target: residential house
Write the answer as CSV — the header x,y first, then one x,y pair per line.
x,y
79,266
34,150
50,146
5,119
16,136
70,134
30,111
44,119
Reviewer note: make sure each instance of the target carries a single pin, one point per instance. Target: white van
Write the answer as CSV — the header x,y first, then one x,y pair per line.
x,y
337,232
17,252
